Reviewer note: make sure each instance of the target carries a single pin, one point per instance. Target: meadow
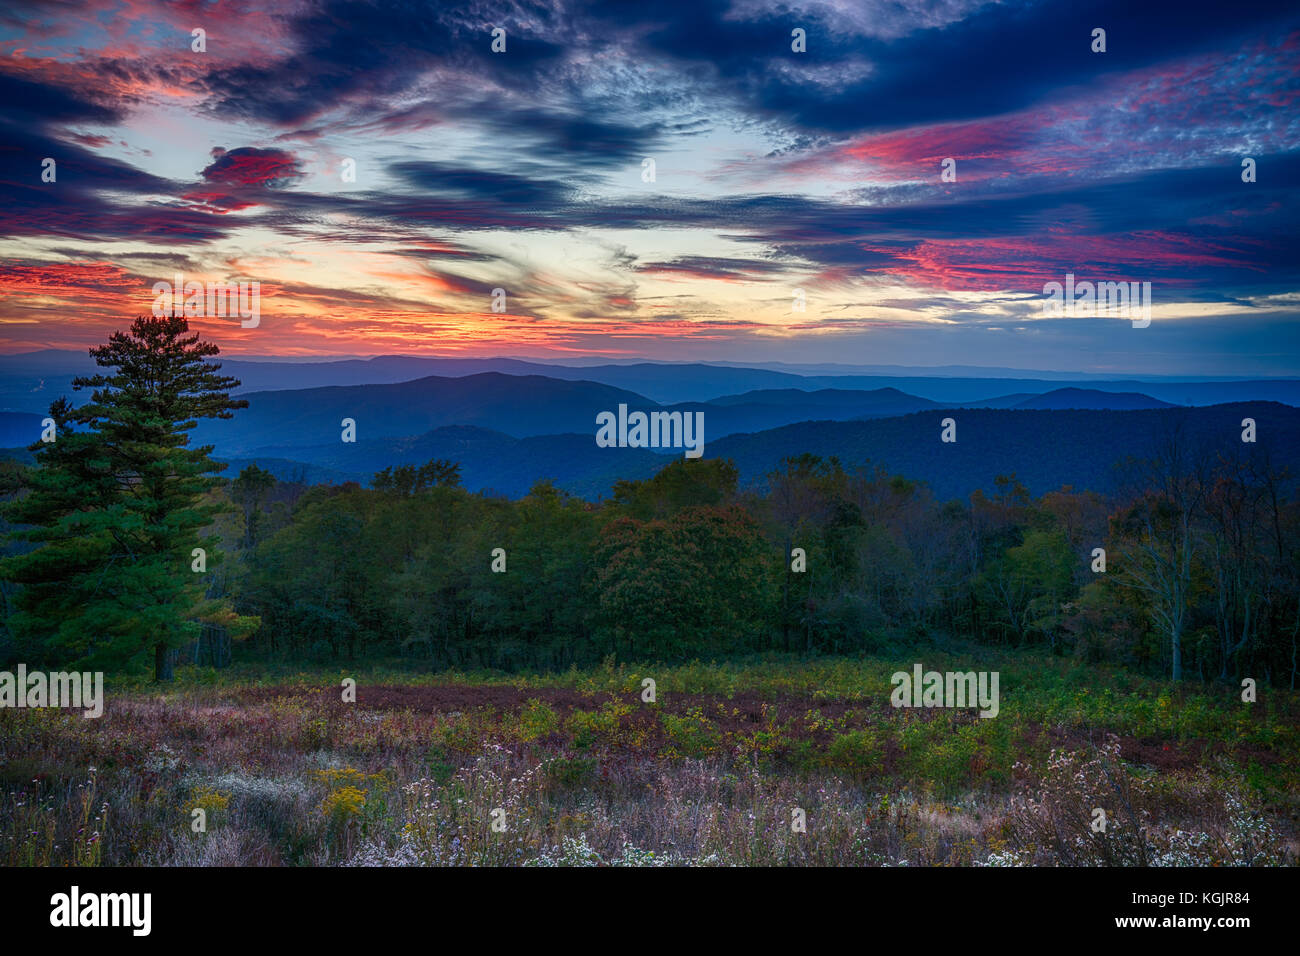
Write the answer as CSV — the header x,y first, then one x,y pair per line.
x,y
576,768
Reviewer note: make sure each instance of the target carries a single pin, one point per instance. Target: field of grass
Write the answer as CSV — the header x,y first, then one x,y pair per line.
x,y
575,768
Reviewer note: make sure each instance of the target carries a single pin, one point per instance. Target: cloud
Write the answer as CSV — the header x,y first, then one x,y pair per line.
x,y
253,166
820,169
507,189
714,267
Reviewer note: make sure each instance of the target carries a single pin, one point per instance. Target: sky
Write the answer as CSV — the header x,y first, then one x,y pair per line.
x,y
379,170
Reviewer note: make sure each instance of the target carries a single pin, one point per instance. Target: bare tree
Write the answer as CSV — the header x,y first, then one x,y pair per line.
x,y
1159,534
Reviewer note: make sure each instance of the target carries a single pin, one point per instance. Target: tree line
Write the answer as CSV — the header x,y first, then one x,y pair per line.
x,y
1190,571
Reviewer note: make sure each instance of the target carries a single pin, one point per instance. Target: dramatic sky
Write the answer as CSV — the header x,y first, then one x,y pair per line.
x,y
774,171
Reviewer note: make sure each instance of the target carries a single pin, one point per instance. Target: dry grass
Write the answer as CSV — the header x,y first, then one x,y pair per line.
x,y
413,775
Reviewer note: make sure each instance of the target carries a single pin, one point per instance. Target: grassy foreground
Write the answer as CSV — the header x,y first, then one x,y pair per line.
x,y
575,768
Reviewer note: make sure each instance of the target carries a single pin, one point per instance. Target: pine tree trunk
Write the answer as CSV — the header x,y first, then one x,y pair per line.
x,y
163,663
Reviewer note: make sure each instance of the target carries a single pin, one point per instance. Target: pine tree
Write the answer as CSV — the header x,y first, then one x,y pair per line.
x,y
248,491
116,505
65,509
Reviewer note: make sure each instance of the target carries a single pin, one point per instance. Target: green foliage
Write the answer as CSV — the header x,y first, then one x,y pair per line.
x,y
408,479
249,491
537,720
696,583
116,505
690,735
858,753
590,728
681,484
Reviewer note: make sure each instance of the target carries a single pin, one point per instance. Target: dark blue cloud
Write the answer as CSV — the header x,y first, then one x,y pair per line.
x,y
507,189
45,103
1000,58
375,50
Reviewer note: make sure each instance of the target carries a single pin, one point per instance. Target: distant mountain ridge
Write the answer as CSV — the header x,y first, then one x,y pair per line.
x,y
518,405
510,430
489,460
29,382
523,404
1045,449
850,403
1091,399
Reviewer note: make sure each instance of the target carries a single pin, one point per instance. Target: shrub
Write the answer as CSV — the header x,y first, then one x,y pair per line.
x,y
537,720
858,752
691,735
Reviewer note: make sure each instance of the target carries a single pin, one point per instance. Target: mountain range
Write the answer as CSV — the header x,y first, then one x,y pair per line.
x,y
510,430
29,381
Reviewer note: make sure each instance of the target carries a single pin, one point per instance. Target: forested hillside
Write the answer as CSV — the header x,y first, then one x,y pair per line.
x,y
687,564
